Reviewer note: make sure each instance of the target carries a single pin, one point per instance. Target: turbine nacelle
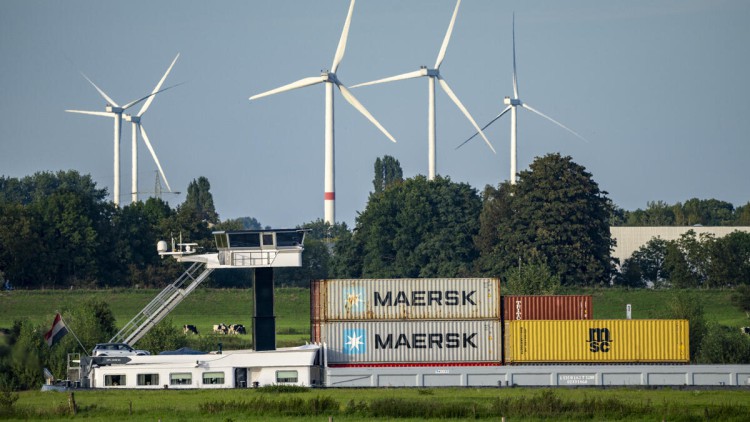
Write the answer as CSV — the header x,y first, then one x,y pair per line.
x,y
329,77
512,101
114,109
133,119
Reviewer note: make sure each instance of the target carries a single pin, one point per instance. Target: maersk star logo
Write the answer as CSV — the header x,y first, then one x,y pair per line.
x,y
355,342
354,300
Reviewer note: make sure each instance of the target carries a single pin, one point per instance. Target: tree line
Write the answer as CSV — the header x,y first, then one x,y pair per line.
x,y
550,229
57,230
704,212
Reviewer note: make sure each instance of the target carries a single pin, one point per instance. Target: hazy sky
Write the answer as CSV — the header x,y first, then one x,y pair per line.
x,y
659,89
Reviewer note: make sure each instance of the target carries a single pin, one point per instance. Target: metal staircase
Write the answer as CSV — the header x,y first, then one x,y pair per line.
x,y
162,304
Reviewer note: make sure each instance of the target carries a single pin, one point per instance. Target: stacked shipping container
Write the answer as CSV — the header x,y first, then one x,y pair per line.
x,y
465,321
597,341
547,307
424,321
408,321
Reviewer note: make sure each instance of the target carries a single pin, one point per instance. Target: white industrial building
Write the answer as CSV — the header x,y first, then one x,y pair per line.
x,y
630,239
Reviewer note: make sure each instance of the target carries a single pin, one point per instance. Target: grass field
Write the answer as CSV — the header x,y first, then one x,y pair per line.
x,y
517,404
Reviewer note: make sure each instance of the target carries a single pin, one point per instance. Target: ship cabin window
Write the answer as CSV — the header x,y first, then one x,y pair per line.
x,y
286,376
268,239
258,239
289,238
114,380
222,240
244,240
181,378
213,378
148,379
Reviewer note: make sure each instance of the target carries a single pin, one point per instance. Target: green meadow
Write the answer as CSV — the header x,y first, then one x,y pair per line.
x,y
516,404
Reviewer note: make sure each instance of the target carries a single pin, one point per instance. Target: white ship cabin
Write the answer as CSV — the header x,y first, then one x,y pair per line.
x,y
260,248
230,369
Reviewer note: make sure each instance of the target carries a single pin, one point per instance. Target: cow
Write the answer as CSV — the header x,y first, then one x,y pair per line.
x,y
188,328
221,328
745,330
237,329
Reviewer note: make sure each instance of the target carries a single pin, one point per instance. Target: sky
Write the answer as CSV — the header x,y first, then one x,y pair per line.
x,y
658,89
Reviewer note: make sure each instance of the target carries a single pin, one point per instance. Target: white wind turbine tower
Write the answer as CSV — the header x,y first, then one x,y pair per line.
x,y
432,75
112,109
512,105
138,127
330,79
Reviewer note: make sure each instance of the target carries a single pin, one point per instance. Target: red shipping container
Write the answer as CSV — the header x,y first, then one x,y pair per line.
x,y
518,308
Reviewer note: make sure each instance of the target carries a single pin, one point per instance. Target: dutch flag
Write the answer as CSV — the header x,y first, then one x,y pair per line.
x,y
57,331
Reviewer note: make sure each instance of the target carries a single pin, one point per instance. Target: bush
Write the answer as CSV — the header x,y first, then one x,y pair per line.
x,y
724,345
532,279
7,400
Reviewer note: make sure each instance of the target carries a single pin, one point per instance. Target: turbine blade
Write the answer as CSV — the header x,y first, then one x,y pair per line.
x,y
409,75
153,154
93,113
132,103
294,85
486,126
463,109
102,93
157,88
515,80
342,41
553,121
356,104
444,47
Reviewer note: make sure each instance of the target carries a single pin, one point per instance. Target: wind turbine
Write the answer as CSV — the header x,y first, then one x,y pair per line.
x,y
138,127
330,79
432,75
114,110
512,105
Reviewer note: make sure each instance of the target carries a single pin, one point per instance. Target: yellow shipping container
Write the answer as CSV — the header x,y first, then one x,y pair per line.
x,y
597,341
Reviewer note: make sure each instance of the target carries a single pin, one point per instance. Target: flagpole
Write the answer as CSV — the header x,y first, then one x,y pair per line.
x,y
74,335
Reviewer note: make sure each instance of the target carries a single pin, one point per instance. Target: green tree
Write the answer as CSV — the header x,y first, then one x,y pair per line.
x,y
496,211
742,215
242,223
678,268
657,213
706,212
558,216
418,228
724,345
346,261
199,202
93,322
531,279
631,275
21,246
163,336
196,216
646,265
728,261
684,305
63,217
387,172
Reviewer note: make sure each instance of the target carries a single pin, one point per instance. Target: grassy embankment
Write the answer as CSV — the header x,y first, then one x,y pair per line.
x,y
203,308
517,404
